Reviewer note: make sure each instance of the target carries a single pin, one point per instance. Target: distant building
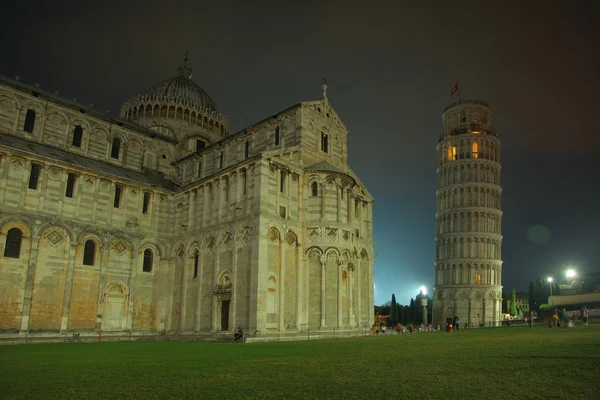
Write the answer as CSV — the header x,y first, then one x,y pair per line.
x,y
165,221
522,303
468,264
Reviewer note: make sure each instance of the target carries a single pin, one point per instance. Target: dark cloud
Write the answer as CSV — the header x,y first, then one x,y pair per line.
x,y
390,68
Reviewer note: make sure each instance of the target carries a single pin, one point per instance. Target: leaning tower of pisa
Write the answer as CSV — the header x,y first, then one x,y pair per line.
x,y
468,264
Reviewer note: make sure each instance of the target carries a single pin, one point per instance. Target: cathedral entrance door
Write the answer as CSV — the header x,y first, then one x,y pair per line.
x,y
225,315
113,320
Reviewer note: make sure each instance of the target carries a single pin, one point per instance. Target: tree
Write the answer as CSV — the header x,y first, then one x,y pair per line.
x,y
513,303
393,310
412,312
532,297
504,298
399,308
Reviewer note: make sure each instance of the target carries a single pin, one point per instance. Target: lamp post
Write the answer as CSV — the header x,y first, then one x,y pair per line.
x,y
424,304
550,279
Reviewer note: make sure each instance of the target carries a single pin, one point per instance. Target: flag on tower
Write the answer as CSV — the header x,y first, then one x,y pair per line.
x,y
454,89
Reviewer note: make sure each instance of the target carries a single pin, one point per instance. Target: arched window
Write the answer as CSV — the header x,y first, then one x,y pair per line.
x,y
315,189
12,248
29,121
116,148
221,160
246,149
199,169
324,143
77,136
148,260
475,150
89,252
276,136
196,258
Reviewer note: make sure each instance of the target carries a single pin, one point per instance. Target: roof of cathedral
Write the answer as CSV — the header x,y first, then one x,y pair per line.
x,y
181,89
325,166
147,177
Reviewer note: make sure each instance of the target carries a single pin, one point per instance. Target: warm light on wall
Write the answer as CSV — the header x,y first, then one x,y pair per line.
x,y
478,279
451,153
475,150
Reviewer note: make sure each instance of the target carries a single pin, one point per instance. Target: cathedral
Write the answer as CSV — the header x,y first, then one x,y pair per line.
x,y
164,222
468,265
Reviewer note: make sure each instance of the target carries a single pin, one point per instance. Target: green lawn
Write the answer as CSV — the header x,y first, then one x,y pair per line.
x,y
506,363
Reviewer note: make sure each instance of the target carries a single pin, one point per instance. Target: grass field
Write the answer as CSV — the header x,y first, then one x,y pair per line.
x,y
506,363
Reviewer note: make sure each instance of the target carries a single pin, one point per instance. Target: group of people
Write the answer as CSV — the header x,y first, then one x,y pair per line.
x,y
560,319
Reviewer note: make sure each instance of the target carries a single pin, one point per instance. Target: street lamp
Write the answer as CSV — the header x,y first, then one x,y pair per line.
x,y
571,273
550,279
423,290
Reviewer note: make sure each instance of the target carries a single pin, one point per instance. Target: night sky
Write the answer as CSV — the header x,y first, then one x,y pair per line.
x,y
390,70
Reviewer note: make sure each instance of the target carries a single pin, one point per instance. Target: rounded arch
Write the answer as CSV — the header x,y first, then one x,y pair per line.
x,y
81,122
155,247
225,278
14,99
312,250
273,234
92,234
10,222
123,239
112,284
332,250
291,239
177,249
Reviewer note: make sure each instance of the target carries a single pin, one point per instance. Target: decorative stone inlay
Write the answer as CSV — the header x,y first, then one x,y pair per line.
x,y
6,104
210,245
314,234
104,185
332,234
98,134
120,247
227,243
54,237
290,239
346,235
245,236
161,198
89,181
17,163
56,119
273,236
133,192
54,173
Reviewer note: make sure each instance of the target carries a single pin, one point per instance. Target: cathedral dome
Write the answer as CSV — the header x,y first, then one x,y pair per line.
x,y
182,90
176,98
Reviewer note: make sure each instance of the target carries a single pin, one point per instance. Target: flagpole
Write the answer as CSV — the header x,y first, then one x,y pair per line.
x,y
458,86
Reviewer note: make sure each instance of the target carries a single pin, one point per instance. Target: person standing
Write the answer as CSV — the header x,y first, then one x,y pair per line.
x,y
457,322
584,314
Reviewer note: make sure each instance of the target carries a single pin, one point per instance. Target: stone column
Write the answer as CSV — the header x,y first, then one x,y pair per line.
x,y
197,324
299,298
323,190
359,295
134,265
483,314
16,120
323,260
351,321
184,289
101,286
64,322
234,289
215,299
469,315
339,296
338,190
27,293
191,222
282,284
349,197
